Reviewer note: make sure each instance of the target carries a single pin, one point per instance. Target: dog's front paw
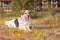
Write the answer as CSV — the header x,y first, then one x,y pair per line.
x,y
30,30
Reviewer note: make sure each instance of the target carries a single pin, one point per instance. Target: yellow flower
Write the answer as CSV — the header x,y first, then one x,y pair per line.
x,y
2,22
36,31
40,33
18,34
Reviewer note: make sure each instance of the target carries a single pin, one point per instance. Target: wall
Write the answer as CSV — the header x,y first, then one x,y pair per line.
x,y
0,4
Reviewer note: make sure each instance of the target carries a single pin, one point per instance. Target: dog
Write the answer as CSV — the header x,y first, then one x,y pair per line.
x,y
22,22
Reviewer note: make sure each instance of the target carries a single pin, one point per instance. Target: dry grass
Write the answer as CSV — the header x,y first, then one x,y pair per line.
x,y
51,32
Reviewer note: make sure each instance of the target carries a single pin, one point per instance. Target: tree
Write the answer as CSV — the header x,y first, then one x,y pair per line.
x,y
25,4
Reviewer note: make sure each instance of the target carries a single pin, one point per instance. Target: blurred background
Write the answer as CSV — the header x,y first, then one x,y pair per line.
x,y
39,8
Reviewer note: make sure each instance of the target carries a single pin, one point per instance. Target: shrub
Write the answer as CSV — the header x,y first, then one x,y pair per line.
x,y
11,14
39,14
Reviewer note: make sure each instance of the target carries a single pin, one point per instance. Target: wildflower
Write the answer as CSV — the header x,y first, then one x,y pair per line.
x,y
2,22
17,34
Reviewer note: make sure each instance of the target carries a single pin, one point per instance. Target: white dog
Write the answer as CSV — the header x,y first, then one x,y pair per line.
x,y
22,22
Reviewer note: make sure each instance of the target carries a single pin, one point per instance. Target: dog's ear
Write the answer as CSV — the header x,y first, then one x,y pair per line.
x,y
30,12
22,12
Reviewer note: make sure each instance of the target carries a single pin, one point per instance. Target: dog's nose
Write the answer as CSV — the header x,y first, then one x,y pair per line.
x,y
28,15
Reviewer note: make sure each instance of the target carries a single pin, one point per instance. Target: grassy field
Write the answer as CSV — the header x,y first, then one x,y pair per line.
x,y
46,28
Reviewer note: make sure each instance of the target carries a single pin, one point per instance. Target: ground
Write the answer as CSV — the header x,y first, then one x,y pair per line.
x,y
47,28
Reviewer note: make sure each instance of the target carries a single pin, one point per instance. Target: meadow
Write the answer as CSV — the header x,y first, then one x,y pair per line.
x,y
44,26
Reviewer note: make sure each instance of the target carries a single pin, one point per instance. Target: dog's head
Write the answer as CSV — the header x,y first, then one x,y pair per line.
x,y
26,14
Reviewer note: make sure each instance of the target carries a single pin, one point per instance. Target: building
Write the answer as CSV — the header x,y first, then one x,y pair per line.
x,y
53,3
4,5
43,4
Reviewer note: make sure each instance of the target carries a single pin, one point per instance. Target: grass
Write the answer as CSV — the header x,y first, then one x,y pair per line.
x,y
45,26
38,32
33,14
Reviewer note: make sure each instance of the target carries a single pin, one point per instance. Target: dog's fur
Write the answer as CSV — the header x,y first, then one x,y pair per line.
x,y
22,22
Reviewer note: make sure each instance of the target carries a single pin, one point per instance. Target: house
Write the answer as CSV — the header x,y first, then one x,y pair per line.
x,y
53,3
4,4
44,4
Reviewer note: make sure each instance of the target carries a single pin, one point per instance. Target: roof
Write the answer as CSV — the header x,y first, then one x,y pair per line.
x,y
6,0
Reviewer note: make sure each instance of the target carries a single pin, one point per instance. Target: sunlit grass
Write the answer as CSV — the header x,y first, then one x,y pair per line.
x,y
2,22
35,34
